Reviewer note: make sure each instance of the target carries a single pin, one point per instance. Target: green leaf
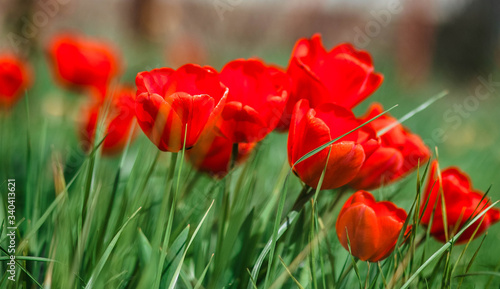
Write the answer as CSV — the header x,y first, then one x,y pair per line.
x,y
179,266
104,258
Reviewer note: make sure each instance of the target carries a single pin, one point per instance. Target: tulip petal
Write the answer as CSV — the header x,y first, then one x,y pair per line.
x,y
153,81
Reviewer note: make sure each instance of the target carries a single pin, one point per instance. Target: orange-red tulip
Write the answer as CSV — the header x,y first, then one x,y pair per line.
x,y
373,227
15,77
257,97
212,154
344,76
173,105
119,120
462,204
399,153
310,128
84,63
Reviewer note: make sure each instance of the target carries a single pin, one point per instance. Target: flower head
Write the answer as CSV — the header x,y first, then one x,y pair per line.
x,y
15,77
372,227
343,76
461,202
177,105
310,128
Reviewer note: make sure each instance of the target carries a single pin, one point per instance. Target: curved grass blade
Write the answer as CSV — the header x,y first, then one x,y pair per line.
x,y
413,112
290,273
107,253
178,270
255,271
198,284
320,148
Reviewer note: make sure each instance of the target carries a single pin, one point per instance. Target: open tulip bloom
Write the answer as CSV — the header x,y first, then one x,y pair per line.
x,y
343,75
372,227
462,204
312,127
174,107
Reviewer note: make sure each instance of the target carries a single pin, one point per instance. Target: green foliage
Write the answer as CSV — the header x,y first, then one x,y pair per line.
x,y
88,221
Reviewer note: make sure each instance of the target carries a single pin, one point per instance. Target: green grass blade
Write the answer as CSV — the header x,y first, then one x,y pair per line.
x,y
322,147
290,273
445,247
178,270
202,276
413,112
260,260
107,253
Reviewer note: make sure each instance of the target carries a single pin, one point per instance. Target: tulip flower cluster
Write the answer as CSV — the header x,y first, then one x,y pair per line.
x,y
91,65
219,117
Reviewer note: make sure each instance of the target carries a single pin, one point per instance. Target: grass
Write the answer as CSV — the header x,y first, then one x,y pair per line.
x,y
146,219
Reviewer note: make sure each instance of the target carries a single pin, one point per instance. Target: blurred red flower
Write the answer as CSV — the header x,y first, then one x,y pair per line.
x,y
399,153
171,102
256,99
212,154
119,120
311,128
15,77
373,227
462,204
84,63
343,75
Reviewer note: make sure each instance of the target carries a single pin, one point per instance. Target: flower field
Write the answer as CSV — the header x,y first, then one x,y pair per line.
x,y
310,167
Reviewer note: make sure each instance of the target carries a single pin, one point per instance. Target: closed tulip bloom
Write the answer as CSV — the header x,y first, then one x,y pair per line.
x,y
212,154
256,99
15,77
400,152
84,63
373,227
173,105
462,204
119,120
344,76
311,128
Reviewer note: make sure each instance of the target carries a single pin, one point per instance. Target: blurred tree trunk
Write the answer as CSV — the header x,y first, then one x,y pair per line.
x,y
141,15
466,44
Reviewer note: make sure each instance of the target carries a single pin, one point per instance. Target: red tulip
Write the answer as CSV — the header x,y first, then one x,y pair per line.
x,y
373,227
171,103
15,77
83,63
462,204
343,75
119,121
256,99
311,128
399,153
212,154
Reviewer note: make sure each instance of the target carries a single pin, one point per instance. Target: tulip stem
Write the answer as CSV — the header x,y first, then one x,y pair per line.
x,y
305,195
409,255
225,212
234,156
